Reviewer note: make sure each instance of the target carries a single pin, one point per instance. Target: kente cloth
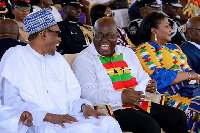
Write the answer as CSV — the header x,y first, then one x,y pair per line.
x,y
163,64
121,77
193,55
122,38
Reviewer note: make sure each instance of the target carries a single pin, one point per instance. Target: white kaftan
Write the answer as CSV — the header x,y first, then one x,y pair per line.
x,y
41,84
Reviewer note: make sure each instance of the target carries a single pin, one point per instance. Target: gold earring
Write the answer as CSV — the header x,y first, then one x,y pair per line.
x,y
156,38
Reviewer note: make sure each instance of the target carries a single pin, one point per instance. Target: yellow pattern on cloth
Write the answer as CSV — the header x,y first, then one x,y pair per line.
x,y
162,58
88,33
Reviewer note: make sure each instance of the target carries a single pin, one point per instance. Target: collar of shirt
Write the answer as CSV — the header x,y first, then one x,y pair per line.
x,y
195,44
28,47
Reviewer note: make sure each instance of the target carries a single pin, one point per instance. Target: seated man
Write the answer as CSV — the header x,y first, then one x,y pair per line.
x,y
9,34
38,79
110,74
192,47
75,36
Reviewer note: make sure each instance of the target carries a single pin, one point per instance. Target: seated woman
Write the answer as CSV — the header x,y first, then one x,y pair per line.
x,y
168,65
99,11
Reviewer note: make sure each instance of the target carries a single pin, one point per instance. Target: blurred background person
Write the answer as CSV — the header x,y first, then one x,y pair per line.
x,y
75,35
145,7
41,4
192,47
9,34
167,64
21,8
3,9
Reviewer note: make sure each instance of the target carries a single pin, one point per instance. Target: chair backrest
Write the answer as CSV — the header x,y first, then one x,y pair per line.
x,y
70,58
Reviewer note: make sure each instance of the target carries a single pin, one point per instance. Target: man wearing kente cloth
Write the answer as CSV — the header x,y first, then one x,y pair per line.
x,y
192,47
113,75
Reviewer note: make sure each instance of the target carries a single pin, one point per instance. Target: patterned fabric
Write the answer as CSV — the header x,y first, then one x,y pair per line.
x,y
163,64
38,21
120,40
88,33
121,77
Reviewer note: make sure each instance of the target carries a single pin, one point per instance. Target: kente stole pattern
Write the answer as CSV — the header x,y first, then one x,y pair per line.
x,y
121,77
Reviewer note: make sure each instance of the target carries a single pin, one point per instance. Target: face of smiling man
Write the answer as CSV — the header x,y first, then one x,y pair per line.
x,y
105,38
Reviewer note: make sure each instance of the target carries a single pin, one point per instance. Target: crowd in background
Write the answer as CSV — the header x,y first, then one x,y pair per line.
x,y
158,52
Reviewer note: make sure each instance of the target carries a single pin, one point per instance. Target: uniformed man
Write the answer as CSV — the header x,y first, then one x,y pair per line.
x,y
75,36
147,7
171,9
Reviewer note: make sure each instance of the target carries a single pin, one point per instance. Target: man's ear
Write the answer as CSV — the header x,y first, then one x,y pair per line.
x,y
43,34
189,32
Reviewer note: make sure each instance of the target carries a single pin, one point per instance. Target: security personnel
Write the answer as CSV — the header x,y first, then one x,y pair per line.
x,y
75,36
147,7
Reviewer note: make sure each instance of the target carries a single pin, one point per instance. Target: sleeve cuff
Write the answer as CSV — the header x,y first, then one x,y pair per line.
x,y
115,98
38,116
76,107
11,118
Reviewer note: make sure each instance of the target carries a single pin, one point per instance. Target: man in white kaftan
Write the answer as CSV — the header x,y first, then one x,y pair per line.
x,y
39,80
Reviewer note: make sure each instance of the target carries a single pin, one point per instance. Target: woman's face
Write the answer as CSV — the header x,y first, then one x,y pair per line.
x,y
163,32
109,13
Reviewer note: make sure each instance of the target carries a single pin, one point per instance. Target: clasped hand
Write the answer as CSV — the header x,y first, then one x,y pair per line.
x,y
130,96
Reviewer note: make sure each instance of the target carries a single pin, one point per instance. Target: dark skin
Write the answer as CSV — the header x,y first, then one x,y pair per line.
x,y
45,43
45,4
192,32
105,26
72,12
162,39
26,119
61,119
9,29
86,9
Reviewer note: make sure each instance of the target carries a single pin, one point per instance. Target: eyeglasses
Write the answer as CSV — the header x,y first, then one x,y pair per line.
x,y
23,7
108,36
194,28
57,32
110,14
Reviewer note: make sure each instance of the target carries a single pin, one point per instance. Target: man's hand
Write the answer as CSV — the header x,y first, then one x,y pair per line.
x,y
131,96
26,119
59,119
89,111
152,86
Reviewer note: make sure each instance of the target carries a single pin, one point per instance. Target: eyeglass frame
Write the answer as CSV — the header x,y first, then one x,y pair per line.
x,y
24,7
110,14
57,32
194,28
104,36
